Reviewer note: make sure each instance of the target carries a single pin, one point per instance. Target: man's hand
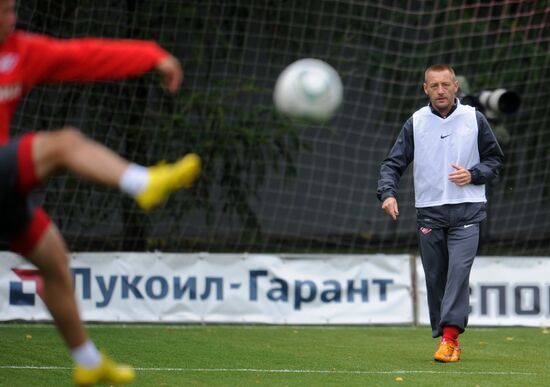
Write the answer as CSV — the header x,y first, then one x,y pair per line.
x,y
171,72
390,206
461,176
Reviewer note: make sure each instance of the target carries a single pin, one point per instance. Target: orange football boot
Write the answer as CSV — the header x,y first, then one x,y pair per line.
x,y
447,352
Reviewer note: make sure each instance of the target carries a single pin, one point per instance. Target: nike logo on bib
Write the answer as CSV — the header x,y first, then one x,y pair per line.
x,y
442,136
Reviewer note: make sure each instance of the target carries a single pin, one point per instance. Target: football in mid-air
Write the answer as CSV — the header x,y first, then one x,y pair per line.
x,y
308,89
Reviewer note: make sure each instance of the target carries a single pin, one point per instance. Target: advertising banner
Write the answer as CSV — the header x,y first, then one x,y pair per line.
x,y
221,288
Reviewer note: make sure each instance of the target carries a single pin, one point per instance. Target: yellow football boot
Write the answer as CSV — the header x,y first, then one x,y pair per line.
x,y
167,178
447,353
107,372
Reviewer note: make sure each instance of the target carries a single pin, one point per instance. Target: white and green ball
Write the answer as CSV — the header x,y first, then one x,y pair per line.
x,y
308,89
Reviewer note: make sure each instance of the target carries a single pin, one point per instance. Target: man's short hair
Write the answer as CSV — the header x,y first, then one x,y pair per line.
x,y
439,67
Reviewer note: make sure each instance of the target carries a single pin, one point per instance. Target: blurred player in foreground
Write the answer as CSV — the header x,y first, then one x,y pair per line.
x,y
455,154
25,162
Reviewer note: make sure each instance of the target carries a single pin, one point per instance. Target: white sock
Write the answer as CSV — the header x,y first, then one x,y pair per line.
x,y
134,180
86,355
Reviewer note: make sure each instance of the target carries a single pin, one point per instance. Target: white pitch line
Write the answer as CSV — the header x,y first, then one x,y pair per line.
x,y
291,371
8,367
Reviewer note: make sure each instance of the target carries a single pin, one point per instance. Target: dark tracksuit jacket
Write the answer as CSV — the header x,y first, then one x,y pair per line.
x,y
448,216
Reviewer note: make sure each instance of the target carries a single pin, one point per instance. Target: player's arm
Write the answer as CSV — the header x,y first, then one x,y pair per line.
x,y
91,59
393,167
490,154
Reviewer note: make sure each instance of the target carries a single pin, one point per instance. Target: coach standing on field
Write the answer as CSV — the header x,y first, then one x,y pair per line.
x,y
455,154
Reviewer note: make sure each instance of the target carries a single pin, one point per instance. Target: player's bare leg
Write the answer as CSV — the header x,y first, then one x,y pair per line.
x,y
69,149
51,257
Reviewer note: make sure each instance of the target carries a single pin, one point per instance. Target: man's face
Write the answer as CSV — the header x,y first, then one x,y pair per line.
x,y
441,88
7,18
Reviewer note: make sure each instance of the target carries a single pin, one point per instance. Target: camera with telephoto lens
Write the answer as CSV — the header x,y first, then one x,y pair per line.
x,y
495,102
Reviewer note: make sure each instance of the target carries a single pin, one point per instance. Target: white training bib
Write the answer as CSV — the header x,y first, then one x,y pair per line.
x,y
438,144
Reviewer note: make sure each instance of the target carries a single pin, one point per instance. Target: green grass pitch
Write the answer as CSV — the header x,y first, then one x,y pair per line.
x,y
243,355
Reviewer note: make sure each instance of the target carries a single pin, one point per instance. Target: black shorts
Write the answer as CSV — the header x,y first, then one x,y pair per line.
x,y
15,206
22,220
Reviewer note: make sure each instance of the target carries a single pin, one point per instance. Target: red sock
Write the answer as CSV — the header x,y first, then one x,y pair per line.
x,y
450,333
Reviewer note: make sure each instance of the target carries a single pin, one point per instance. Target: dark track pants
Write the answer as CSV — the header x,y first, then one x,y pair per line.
x,y
447,255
